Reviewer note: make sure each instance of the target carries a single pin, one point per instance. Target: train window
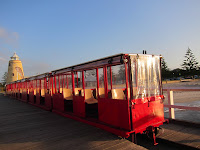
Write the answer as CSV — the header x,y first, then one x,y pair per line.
x,y
90,79
116,82
146,76
60,83
58,80
57,84
48,85
118,77
67,81
38,86
109,77
101,83
101,78
52,85
42,83
78,79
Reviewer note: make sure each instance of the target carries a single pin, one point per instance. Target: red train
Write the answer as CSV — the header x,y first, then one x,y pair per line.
x,y
121,94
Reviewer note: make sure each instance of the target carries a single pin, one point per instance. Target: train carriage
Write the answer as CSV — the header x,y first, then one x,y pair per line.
x,y
38,93
121,94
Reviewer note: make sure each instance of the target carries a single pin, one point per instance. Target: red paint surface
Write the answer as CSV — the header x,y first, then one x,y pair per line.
x,y
24,96
79,106
58,102
31,97
147,114
48,101
114,112
37,99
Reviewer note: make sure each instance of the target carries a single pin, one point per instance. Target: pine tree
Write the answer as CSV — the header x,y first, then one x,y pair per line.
x,y
190,63
164,65
164,69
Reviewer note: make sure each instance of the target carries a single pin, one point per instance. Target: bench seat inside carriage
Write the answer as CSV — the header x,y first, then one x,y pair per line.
x,y
91,100
68,99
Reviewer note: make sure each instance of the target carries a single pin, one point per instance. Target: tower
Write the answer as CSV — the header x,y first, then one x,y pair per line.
x,y
15,69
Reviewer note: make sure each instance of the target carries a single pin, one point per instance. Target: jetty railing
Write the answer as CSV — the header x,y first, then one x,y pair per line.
x,y
171,105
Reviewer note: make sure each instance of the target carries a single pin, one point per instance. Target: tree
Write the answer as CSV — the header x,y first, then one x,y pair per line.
x,y
178,72
164,69
4,78
164,65
190,64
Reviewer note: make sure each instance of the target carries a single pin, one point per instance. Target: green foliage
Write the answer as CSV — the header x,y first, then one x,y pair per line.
x,y
190,67
164,65
164,69
190,64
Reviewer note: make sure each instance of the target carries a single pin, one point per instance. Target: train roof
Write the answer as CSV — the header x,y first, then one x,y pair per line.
x,y
118,58
78,66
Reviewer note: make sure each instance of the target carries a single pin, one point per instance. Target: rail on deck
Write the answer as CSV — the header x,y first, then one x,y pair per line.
x,y
171,105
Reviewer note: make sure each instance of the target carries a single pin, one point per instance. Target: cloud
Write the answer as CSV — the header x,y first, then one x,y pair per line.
x,y
7,37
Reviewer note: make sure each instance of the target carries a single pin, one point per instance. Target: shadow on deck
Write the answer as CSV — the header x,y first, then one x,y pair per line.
x,y
183,133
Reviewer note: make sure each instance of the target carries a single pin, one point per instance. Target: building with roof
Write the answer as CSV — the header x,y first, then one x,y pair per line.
x,y
15,69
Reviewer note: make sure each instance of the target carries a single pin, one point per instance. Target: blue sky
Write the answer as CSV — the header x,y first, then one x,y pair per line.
x,y
51,34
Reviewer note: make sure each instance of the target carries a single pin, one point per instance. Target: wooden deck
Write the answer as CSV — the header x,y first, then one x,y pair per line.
x,y
182,134
23,126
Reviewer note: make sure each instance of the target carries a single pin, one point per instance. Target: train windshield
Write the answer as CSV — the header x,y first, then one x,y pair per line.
x,y
146,76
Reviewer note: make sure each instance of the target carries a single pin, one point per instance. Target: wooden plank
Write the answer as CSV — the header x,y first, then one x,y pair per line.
x,y
189,136
24,127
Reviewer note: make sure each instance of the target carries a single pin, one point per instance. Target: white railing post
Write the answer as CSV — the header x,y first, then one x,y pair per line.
x,y
171,102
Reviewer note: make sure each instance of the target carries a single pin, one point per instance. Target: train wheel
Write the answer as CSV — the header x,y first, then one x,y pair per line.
x,y
151,133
